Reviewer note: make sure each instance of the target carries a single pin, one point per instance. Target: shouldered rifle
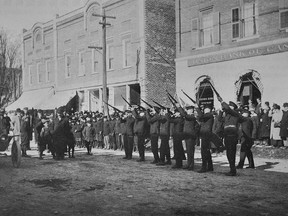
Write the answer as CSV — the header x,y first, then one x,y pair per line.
x,y
114,108
147,103
188,97
129,104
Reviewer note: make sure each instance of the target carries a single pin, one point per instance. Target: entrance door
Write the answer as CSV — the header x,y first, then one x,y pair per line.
x,y
135,94
205,94
248,90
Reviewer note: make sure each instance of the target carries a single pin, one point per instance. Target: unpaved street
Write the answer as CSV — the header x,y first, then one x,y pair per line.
x,y
105,184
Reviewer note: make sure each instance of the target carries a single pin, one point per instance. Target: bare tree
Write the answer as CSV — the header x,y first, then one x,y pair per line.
x,y
9,67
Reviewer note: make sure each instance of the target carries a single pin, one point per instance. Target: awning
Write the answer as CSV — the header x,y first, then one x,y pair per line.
x,y
58,99
31,99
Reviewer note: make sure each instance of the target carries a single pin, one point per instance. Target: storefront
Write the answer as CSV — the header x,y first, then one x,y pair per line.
x,y
255,71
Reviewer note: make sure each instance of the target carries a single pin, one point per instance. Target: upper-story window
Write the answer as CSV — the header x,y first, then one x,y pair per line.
x,y
110,56
30,75
95,61
38,37
68,65
39,73
126,51
205,29
48,71
81,63
283,11
244,20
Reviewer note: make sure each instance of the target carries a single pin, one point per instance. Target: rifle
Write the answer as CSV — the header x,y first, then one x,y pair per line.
x,y
172,98
216,92
130,105
147,103
114,108
172,101
162,107
188,97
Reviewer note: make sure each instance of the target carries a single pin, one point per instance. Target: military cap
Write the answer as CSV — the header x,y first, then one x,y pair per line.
x,y
285,105
231,103
189,107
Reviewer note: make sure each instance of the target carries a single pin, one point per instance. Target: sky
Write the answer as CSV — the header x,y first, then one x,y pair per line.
x,y
18,14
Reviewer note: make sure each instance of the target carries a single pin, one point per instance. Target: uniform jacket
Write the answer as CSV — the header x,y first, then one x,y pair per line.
x,y
129,123
164,125
246,127
140,124
206,122
154,122
191,126
231,119
178,123
117,127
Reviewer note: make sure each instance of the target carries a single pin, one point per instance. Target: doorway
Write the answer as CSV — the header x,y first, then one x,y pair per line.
x,y
205,94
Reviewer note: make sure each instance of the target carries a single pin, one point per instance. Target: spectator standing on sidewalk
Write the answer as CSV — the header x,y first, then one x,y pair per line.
x,y
284,125
276,115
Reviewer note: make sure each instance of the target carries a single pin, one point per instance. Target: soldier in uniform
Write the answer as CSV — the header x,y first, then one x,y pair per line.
x,y
153,120
246,140
129,123
231,121
190,130
140,131
164,136
178,121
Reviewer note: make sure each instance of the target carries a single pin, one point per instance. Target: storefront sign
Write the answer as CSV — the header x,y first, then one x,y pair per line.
x,y
266,50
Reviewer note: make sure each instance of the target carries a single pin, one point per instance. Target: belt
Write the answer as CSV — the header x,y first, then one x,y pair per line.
x,y
230,126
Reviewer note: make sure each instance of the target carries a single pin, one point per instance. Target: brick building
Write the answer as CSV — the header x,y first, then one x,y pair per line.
x,y
58,65
239,45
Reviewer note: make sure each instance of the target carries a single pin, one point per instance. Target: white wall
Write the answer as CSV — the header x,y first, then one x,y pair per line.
x,y
272,68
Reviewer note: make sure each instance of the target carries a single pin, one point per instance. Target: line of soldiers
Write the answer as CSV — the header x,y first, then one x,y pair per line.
x,y
119,130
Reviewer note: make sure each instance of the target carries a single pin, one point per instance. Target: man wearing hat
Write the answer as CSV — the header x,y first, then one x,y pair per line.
x,y
153,119
246,137
129,140
206,120
190,132
45,137
88,136
30,125
140,131
231,121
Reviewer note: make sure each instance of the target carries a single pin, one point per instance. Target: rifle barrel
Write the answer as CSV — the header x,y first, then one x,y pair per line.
x,y
188,96
146,103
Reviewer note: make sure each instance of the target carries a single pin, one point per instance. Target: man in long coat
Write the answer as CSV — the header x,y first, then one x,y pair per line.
x,y
284,124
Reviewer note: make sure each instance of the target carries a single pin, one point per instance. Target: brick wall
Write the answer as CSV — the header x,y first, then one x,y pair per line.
x,y
160,49
268,24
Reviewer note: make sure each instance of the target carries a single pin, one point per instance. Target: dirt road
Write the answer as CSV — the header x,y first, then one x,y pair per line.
x,y
105,184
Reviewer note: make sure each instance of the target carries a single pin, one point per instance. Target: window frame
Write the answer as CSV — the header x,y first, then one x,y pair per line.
x,y
81,66
94,54
203,13
236,22
48,72
108,45
126,54
280,12
38,69
68,75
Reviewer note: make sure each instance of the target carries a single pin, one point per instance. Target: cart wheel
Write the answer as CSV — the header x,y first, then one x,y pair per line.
x,y
16,154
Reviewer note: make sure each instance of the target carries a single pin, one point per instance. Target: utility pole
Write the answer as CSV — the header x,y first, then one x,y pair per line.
x,y
104,80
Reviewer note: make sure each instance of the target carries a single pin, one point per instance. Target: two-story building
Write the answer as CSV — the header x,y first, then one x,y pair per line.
x,y
240,46
58,66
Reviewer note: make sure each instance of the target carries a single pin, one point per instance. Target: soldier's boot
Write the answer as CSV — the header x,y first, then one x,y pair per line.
x,y
242,160
251,161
